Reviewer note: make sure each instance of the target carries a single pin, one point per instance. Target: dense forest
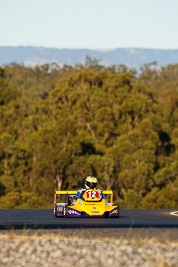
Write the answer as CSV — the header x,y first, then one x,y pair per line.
x,y
61,124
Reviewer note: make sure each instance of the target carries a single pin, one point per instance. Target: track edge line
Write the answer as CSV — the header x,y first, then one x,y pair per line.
x,y
175,213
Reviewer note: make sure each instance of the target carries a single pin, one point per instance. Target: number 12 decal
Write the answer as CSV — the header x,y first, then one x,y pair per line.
x,y
92,194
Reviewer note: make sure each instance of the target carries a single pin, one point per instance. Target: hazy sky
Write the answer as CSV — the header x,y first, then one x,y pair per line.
x,y
95,24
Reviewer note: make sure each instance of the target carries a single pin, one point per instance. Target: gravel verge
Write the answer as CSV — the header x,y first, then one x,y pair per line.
x,y
65,252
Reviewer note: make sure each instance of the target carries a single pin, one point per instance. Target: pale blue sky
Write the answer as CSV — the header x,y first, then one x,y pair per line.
x,y
94,24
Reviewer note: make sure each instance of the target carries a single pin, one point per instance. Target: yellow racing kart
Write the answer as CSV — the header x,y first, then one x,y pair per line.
x,y
92,203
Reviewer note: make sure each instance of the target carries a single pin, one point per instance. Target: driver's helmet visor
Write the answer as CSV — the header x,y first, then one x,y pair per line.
x,y
91,184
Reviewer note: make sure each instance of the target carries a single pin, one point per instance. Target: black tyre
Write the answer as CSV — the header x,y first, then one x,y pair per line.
x,y
55,213
66,212
106,215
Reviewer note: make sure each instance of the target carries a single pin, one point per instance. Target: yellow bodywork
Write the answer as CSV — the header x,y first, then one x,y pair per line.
x,y
92,207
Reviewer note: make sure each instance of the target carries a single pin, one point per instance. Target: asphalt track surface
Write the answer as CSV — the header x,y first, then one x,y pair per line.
x,y
45,219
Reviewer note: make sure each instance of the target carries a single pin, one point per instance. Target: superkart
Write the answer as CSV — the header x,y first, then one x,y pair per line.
x,y
90,205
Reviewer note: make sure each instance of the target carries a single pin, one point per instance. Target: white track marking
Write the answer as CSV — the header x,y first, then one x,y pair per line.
x,y
175,213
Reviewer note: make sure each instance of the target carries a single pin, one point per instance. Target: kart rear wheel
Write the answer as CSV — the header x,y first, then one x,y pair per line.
x,y
55,212
106,215
66,211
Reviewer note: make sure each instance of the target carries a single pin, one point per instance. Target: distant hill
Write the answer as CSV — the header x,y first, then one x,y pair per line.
x,y
31,56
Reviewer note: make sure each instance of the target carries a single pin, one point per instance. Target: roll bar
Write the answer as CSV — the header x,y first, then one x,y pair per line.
x,y
74,192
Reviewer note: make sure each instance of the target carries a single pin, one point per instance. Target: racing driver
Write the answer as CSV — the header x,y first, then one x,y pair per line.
x,y
90,183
